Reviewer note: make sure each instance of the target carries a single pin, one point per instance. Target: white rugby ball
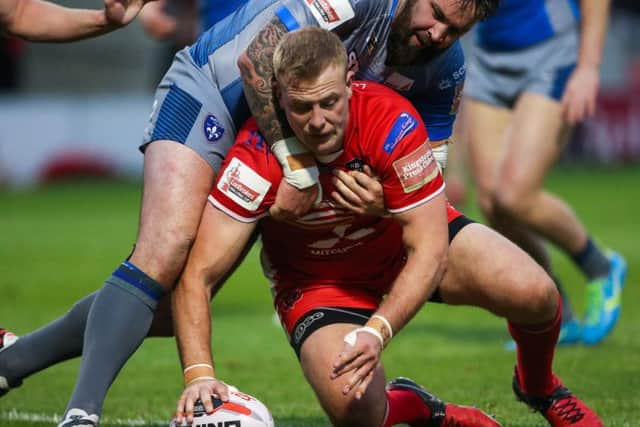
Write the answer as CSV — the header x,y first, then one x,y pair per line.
x,y
242,410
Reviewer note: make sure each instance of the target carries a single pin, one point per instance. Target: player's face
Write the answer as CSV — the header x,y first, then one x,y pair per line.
x,y
318,109
427,25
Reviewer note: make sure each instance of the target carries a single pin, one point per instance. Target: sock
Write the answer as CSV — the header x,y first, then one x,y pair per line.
x,y
592,261
53,343
118,322
567,309
535,347
405,407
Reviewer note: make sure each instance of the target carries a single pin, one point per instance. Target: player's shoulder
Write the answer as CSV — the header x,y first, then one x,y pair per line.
x,y
252,149
376,100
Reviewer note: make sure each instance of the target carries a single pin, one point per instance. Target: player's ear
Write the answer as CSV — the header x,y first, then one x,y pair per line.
x,y
350,76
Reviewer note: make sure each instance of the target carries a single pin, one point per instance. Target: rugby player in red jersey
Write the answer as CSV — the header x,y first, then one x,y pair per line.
x,y
345,284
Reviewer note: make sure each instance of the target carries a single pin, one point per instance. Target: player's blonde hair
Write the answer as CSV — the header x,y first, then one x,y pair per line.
x,y
304,54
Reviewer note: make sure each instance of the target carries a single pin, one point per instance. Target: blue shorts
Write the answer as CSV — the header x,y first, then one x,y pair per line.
x,y
189,109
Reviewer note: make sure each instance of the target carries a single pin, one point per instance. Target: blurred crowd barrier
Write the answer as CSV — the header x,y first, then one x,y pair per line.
x,y
88,116
48,137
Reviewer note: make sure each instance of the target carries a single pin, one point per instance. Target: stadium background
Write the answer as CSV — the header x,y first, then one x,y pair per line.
x,y
80,109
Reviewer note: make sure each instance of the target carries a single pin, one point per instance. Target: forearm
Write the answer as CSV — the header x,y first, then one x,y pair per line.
x,y
414,285
256,69
595,18
37,20
192,322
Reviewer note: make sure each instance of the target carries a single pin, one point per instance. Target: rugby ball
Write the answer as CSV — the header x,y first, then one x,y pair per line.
x,y
242,410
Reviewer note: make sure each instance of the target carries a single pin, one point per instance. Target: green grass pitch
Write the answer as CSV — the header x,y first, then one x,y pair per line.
x,y
60,242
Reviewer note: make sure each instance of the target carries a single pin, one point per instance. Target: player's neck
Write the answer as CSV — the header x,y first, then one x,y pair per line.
x,y
328,158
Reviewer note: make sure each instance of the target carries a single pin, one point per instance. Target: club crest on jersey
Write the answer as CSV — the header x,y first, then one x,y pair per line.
x,y
213,129
330,13
243,185
404,125
355,165
416,169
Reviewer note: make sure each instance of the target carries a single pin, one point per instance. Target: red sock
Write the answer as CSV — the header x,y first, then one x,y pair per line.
x,y
535,347
405,407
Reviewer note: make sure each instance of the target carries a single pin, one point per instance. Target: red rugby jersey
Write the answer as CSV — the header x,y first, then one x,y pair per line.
x,y
330,245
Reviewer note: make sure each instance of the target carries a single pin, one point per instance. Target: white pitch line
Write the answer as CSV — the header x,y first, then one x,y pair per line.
x,y
25,417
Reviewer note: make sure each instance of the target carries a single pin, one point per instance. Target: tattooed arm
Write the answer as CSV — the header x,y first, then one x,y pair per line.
x,y
256,70
297,191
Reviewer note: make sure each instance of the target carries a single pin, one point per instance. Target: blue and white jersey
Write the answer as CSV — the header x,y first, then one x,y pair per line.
x,y
521,23
212,11
434,86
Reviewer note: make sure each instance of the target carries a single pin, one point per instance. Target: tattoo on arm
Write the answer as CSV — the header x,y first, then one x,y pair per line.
x,y
256,70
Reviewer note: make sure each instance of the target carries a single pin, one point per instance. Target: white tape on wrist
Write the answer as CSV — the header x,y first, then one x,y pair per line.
x,y
385,322
440,153
298,164
352,336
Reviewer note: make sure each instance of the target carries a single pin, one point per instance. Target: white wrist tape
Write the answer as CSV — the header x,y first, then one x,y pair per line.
x,y
298,164
352,336
440,153
385,322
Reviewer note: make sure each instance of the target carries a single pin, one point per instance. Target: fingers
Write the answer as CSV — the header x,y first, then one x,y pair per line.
x,y
358,191
364,384
361,377
203,391
347,361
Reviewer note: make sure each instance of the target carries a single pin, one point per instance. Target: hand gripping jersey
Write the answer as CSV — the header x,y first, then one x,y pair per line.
x,y
329,245
364,27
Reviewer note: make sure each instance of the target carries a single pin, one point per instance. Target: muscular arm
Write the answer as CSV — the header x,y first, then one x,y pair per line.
x,y
219,243
39,20
595,18
580,94
256,70
300,172
425,236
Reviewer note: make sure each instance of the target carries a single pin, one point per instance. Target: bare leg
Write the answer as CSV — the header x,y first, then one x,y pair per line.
x,y
176,184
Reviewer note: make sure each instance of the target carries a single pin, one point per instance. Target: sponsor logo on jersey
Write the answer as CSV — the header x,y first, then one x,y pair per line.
x,y
243,185
416,169
330,13
342,242
234,423
372,44
404,125
355,165
456,78
213,129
